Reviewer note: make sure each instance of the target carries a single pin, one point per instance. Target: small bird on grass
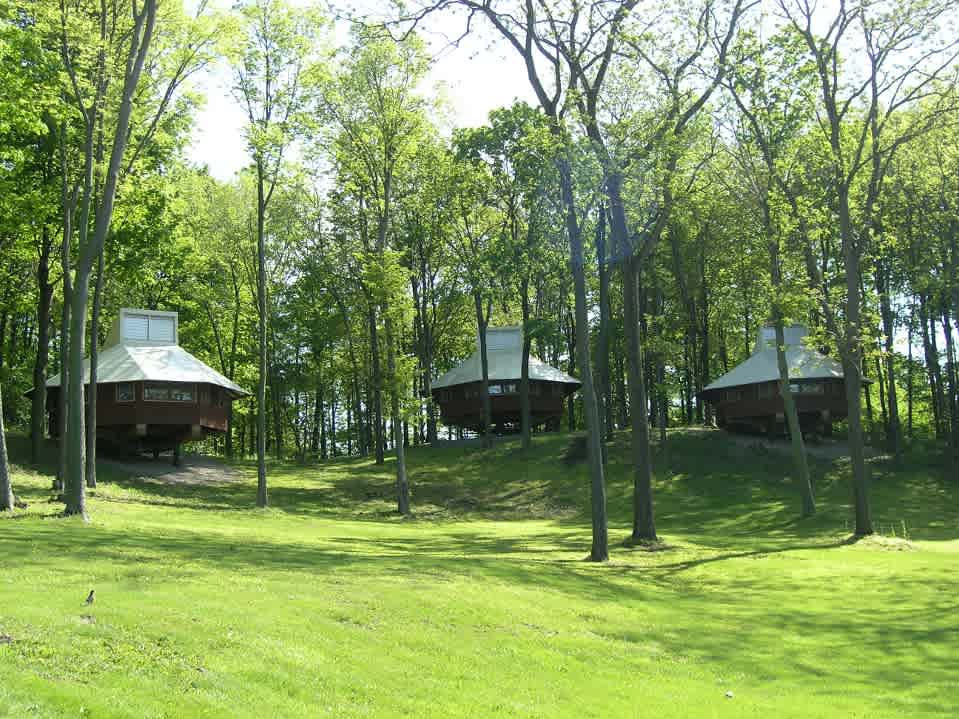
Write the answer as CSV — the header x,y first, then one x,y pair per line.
x,y
89,598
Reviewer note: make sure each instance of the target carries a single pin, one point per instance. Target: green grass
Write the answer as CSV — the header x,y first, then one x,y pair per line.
x,y
327,604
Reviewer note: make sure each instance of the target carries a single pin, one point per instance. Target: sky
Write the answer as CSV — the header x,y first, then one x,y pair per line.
x,y
478,75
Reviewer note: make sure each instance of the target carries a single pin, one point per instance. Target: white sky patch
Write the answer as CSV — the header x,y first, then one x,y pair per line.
x,y
478,75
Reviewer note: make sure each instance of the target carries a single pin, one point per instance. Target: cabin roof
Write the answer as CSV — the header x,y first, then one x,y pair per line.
x,y
142,346
762,366
504,354
165,363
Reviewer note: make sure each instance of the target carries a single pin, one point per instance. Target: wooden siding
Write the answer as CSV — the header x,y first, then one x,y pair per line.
x,y
116,415
462,405
762,400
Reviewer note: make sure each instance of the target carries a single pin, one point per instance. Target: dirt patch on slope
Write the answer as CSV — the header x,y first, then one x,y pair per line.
x,y
192,470
828,449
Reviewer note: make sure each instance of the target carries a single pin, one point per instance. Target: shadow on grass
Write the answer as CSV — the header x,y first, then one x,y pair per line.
x,y
708,489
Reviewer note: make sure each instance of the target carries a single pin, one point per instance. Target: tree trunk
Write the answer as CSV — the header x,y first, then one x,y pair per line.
x,y
789,403
570,330
38,404
599,550
605,387
910,370
487,417
644,523
262,497
524,402
91,468
852,367
75,484
932,364
402,483
377,386
6,488
89,250
808,507
894,428
952,377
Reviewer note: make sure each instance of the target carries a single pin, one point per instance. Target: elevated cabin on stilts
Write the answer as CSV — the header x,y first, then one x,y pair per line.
x,y
152,395
459,392
747,397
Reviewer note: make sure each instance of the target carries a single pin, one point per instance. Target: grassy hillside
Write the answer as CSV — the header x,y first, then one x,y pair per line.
x,y
327,604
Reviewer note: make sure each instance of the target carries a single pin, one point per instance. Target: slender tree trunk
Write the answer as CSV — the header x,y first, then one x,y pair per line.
x,y
321,419
402,483
75,484
932,365
599,551
486,420
910,371
262,496
332,413
571,369
800,463
893,426
6,488
852,368
234,338
38,404
91,468
644,523
524,400
377,386
952,377
605,386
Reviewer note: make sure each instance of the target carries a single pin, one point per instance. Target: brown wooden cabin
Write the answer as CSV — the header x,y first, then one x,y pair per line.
x,y
459,391
151,394
747,397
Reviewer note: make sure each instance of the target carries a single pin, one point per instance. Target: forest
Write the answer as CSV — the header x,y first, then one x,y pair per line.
x,y
679,175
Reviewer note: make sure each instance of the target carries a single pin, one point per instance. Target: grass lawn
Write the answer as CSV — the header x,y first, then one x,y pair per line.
x,y
327,604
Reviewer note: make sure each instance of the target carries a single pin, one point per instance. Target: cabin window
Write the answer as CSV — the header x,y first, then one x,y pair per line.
x,y
509,388
125,392
807,388
169,392
496,389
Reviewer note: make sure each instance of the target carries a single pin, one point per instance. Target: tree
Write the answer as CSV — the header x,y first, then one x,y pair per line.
x,y
901,69
274,76
89,81
769,87
537,33
374,105
6,488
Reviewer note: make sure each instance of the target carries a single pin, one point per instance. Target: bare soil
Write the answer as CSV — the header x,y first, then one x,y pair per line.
x,y
823,448
193,469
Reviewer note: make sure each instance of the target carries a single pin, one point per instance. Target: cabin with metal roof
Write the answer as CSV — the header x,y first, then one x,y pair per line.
x,y
748,397
459,392
151,394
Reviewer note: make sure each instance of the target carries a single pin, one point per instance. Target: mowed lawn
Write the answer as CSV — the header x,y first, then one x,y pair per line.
x,y
327,604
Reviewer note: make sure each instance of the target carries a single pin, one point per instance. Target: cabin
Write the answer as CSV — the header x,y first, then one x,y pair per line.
x,y
152,395
459,392
747,397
